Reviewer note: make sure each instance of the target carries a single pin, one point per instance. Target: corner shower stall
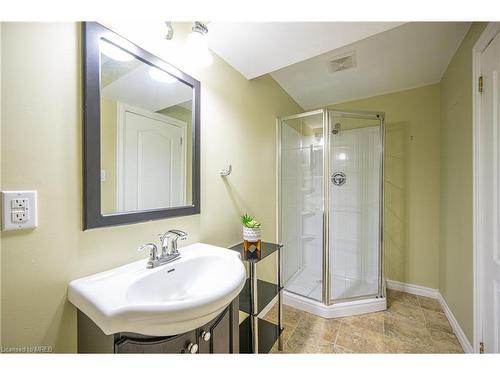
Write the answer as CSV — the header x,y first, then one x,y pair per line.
x,y
330,212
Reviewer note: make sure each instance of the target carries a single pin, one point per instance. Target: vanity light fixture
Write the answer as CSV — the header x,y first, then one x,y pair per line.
x,y
114,52
160,75
197,46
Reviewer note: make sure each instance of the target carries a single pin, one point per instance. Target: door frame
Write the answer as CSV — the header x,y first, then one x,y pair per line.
x,y
478,235
121,109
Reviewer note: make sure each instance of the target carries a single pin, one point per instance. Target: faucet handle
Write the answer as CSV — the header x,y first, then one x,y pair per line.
x,y
153,252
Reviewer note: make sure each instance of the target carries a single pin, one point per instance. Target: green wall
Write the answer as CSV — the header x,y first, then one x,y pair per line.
x,y
455,265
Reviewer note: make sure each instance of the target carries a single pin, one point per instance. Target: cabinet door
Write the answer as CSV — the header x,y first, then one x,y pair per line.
x,y
175,344
220,335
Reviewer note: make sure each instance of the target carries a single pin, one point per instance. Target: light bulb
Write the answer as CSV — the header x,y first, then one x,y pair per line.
x,y
114,52
196,41
160,75
198,53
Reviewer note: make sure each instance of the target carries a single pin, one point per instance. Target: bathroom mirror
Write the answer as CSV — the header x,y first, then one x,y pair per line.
x,y
141,133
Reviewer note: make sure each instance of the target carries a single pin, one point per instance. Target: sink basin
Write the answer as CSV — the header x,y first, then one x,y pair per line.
x,y
167,300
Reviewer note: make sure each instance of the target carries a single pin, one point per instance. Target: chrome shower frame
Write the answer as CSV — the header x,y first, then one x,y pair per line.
x,y
327,128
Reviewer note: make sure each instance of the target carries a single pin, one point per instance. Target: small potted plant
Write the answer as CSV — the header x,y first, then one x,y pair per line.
x,y
251,231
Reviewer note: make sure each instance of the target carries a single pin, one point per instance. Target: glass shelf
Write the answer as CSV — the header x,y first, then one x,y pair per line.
x,y
266,292
267,248
255,297
268,335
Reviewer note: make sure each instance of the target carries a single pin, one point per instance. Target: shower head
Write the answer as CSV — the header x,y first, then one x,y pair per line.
x,y
336,128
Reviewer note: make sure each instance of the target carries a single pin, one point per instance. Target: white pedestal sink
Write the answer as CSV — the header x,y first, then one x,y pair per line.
x,y
171,299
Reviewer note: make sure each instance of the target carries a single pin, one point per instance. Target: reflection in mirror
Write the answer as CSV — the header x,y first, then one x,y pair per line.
x,y
146,142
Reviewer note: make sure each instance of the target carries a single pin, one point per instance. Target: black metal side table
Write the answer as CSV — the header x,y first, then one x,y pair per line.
x,y
256,334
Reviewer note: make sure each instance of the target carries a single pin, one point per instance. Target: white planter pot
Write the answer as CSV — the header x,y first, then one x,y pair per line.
x,y
251,234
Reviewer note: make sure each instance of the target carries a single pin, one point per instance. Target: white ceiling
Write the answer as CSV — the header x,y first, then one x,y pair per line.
x,y
389,56
137,88
411,55
257,48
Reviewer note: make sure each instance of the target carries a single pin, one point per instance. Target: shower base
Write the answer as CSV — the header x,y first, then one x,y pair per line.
x,y
337,310
303,291
307,282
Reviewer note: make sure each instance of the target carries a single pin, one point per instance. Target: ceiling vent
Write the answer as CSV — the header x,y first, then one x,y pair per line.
x,y
344,62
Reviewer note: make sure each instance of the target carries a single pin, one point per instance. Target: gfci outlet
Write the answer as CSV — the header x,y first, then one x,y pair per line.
x,y
19,217
19,210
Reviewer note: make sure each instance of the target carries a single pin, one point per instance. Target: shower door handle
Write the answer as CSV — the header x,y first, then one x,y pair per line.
x,y
338,178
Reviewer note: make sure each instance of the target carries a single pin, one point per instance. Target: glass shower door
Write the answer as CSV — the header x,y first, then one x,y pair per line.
x,y
355,200
301,196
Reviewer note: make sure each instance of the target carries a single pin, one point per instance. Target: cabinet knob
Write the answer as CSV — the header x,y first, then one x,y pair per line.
x,y
192,348
205,335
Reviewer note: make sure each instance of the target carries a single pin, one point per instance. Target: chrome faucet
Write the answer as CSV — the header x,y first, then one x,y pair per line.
x,y
174,235
168,243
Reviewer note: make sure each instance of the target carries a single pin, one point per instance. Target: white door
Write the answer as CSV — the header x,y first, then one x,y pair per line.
x,y
152,162
489,164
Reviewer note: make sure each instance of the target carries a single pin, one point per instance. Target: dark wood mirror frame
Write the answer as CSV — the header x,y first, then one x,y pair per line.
x,y
92,216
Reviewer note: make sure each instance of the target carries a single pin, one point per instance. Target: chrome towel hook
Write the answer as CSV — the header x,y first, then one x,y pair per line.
x,y
226,172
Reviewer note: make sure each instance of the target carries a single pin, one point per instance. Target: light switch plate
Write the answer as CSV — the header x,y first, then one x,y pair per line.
x,y
19,210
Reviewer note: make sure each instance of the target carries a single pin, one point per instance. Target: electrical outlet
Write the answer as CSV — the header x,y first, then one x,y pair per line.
x,y
19,210
19,217
19,203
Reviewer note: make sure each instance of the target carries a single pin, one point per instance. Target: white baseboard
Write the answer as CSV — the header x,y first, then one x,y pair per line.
x,y
434,293
466,345
412,288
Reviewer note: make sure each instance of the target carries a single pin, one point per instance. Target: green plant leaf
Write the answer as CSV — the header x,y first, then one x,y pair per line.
x,y
249,221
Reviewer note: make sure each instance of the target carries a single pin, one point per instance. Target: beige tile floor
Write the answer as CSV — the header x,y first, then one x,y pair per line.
x,y
411,324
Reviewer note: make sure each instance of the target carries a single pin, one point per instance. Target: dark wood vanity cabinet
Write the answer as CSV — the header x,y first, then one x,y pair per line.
x,y
215,337
221,335
178,344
